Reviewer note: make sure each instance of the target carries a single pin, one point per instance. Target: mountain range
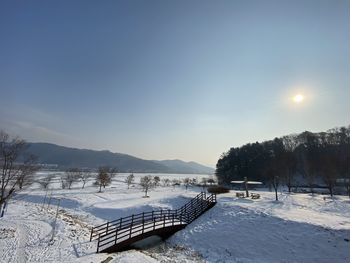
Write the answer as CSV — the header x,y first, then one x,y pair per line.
x,y
66,157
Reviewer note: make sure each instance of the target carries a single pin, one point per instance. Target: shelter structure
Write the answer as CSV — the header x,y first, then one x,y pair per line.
x,y
246,183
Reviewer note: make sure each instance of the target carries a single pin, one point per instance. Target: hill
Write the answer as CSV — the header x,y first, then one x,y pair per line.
x,y
186,167
66,157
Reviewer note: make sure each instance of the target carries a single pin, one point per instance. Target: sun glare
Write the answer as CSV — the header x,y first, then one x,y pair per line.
x,y
298,98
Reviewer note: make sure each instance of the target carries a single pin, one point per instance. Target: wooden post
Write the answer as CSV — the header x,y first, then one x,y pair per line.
x,y
107,227
132,223
92,230
143,222
116,236
98,243
44,200
48,204
54,223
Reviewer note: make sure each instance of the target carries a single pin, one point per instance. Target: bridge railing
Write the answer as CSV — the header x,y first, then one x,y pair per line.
x,y
137,228
116,231
127,222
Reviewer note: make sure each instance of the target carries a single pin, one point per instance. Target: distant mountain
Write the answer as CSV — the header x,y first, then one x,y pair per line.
x,y
186,167
65,157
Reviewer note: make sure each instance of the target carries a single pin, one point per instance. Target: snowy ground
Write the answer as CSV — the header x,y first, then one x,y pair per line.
x,y
298,228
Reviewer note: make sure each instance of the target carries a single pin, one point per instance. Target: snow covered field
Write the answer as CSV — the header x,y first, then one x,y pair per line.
x,y
298,228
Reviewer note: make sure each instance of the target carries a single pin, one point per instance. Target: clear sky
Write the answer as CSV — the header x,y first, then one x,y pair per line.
x,y
172,79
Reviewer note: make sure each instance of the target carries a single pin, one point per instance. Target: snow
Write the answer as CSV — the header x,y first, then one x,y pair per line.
x,y
297,228
245,230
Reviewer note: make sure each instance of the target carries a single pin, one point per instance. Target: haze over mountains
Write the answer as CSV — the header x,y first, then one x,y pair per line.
x,y
66,157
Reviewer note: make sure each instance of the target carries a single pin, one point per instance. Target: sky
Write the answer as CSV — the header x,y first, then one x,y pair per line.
x,y
172,79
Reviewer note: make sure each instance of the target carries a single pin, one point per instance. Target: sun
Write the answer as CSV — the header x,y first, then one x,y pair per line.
x,y
298,98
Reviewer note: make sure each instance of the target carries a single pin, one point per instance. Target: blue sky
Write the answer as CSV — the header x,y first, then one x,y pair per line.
x,y
172,79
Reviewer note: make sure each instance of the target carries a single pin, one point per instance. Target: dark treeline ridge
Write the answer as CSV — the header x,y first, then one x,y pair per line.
x,y
307,158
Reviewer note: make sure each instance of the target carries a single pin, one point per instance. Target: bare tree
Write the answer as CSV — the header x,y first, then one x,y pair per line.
x,y
84,177
328,168
156,181
194,181
310,174
308,148
166,182
129,179
13,174
187,182
275,184
204,183
63,182
104,176
175,182
146,182
286,165
271,173
27,171
288,160
46,181
71,176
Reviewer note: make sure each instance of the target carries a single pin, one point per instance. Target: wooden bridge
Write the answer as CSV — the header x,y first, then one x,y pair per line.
x,y
117,235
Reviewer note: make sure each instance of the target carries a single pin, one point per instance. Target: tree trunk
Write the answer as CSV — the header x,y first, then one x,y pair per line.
x,y
330,188
275,185
2,211
276,194
246,186
100,188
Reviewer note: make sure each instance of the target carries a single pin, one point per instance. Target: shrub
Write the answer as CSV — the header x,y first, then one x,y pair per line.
x,y
217,189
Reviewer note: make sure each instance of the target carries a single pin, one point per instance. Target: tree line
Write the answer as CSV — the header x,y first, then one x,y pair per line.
x,y
305,159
